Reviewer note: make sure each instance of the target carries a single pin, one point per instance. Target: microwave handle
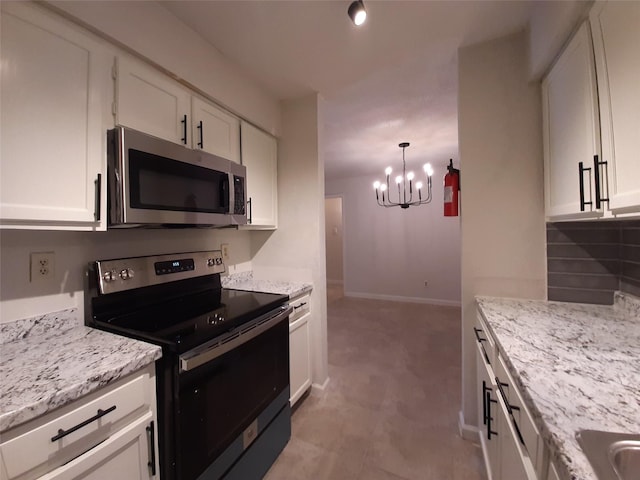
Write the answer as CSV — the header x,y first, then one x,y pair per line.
x,y
225,193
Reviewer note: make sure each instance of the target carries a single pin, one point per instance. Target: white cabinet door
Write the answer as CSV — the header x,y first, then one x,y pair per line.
x,y
571,130
56,91
151,102
125,455
487,415
616,36
260,155
215,131
299,360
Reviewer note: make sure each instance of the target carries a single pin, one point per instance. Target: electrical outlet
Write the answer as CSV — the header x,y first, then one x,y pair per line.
x,y
43,266
225,251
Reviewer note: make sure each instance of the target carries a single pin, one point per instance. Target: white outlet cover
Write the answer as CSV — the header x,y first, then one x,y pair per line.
x,y
42,267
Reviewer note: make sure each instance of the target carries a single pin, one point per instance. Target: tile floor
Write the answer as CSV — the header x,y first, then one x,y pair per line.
x,y
390,410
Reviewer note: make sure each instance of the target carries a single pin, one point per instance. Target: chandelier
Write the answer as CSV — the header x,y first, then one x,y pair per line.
x,y
404,199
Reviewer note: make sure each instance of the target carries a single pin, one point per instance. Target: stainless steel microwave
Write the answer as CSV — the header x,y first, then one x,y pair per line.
x,y
153,182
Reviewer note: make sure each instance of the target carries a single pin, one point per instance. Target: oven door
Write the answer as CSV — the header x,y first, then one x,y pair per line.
x,y
224,390
155,182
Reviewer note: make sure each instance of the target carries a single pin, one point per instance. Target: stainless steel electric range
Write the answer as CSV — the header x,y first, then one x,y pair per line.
x,y
223,379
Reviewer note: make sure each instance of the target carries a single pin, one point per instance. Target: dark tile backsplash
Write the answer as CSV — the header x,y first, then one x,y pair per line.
x,y
588,261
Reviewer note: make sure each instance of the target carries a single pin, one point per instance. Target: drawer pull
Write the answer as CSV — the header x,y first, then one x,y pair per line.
x,y
295,307
510,409
477,332
152,449
63,433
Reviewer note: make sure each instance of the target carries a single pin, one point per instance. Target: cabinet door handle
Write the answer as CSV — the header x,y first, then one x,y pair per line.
x,y
63,433
151,432
98,197
201,142
596,175
295,307
484,402
249,220
489,418
184,129
581,170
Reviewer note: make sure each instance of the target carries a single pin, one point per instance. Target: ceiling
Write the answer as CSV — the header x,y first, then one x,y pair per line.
x,y
391,80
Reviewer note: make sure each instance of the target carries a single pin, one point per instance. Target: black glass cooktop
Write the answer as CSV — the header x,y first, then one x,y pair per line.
x,y
186,322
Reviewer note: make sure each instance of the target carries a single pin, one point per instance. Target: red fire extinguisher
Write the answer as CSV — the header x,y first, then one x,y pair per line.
x,y
451,190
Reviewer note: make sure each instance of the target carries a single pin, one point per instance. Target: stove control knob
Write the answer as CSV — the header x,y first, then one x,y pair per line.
x,y
109,276
210,262
126,274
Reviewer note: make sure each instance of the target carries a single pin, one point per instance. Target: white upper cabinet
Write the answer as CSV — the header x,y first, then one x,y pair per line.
x,y
56,94
571,131
260,156
215,131
616,38
151,102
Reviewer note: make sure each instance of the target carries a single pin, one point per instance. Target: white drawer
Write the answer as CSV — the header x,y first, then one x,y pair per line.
x,y
484,338
300,308
523,418
34,447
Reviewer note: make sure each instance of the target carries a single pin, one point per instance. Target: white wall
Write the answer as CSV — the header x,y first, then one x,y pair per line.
x,y
151,31
503,228
333,239
551,25
390,252
296,250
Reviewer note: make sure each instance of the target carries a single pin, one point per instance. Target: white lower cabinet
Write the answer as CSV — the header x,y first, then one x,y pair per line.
x,y
511,444
299,359
109,434
56,92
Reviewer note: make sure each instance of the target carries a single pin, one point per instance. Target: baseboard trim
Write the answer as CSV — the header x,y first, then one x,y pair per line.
x,y
468,432
397,298
318,388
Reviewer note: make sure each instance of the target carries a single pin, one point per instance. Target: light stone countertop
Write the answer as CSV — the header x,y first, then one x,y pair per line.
x,y
245,281
577,367
49,361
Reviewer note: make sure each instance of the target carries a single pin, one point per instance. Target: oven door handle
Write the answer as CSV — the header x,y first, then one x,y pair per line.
x,y
212,350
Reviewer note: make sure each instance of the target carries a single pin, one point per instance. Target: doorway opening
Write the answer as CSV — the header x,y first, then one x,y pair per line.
x,y
334,242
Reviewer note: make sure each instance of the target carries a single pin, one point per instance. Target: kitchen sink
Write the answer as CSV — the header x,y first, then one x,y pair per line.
x,y
613,456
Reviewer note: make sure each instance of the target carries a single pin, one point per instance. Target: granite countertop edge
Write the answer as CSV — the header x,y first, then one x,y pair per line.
x,y
60,363
246,281
551,318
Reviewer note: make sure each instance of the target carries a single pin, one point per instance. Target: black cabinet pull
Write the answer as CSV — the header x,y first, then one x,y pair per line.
x,y
596,176
249,220
477,332
184,129
295,307
484,402
510,409
201,142
152,450
98,197
489,418
581,170
63,433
